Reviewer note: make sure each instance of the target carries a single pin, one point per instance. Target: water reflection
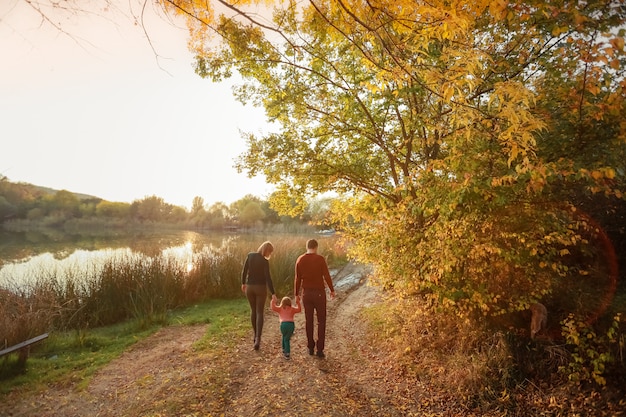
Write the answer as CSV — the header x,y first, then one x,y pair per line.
x,y
26,257
183,254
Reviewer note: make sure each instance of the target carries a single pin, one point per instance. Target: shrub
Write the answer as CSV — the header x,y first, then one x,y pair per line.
x,y
591,351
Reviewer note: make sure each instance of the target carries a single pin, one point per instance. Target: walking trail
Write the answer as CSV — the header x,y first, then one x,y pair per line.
x,y
164,375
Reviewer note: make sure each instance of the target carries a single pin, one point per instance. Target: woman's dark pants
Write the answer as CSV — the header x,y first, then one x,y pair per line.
x,y
257,295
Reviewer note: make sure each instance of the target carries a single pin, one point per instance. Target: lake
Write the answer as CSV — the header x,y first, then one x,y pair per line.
x,y
27,256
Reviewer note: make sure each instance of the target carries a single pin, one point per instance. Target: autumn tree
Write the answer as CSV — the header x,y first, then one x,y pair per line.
x,y
455,131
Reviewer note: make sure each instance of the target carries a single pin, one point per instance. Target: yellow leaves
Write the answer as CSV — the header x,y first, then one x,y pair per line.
x,y
609,173
579,19
598,174
617,43
593,88
541,175
559,30
553,266
608,51
448,91
512,103
511,93
504,181
498,8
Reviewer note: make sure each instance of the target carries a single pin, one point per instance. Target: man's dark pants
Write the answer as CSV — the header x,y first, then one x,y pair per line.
x,y
314,302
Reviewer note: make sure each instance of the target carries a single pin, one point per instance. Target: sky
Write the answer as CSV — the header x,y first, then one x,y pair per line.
x,y
100,113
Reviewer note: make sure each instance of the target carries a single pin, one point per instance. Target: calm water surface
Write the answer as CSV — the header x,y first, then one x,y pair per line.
x,y
25,257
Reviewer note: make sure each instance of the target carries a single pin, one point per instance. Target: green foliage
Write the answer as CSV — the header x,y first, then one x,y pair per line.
x,y
26,207
151,208
112,209
592,353
7,209
251,214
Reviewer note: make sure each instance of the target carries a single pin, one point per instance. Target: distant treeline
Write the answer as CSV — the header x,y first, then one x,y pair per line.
x,y
24,206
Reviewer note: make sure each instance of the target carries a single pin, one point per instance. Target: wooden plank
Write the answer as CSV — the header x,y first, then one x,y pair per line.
x,y
23,344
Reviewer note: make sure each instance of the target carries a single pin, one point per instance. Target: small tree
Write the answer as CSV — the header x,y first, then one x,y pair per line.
x,y
251,214
151,208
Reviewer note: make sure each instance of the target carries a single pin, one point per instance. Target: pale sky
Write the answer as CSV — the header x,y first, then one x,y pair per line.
x,y
97,115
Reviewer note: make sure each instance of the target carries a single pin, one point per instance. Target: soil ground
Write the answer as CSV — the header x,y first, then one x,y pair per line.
x,y
164,375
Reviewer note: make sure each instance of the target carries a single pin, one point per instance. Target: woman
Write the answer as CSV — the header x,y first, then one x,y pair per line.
x,y
255,281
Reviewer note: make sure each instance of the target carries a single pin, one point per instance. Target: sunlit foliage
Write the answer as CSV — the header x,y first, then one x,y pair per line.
x,y
461,135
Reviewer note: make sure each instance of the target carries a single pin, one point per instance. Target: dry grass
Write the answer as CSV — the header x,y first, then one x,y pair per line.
x,y
486,369
23,317
137,286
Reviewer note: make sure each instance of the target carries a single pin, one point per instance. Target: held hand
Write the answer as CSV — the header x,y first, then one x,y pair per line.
x,y
274,297
332,295
243,288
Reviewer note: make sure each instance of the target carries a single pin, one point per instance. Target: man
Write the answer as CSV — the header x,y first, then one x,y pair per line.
x,y
311,277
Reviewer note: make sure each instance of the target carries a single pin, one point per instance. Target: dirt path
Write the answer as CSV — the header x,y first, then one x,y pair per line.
x,y
339,385
164,376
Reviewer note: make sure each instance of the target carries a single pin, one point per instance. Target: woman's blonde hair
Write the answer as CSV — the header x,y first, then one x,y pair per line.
x,y
286,301
266,248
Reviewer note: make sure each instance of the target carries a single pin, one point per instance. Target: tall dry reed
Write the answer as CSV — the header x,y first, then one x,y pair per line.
x,y
139,286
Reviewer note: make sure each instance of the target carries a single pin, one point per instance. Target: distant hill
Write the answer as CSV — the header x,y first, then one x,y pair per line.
x,y
17,189
52,191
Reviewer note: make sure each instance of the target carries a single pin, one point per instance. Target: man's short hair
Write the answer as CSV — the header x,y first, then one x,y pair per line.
x,y
311,244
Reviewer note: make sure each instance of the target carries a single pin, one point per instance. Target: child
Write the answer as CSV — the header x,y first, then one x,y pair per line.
x,y
285,314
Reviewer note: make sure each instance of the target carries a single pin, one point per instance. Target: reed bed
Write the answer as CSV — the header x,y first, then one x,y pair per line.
x,y
139,286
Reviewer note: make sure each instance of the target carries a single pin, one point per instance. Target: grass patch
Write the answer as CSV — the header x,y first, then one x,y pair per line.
x,y
70,357
228,320
73,357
